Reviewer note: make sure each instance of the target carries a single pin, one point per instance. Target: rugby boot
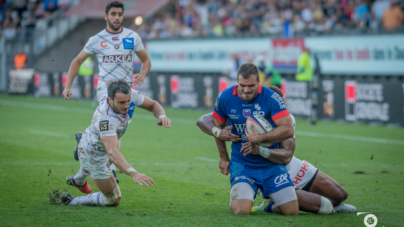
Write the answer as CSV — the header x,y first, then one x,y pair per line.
x,y
76,150
85,188
345,208
261,208
116,178
66,198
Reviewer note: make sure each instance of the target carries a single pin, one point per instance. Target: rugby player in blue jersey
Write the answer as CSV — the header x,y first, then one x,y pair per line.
x,y
316,192
252,172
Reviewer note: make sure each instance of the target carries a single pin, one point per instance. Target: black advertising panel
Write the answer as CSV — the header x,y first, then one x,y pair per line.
x,y
20,81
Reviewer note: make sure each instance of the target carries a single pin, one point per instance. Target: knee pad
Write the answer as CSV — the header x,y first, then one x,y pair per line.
x,y
326,206
110,197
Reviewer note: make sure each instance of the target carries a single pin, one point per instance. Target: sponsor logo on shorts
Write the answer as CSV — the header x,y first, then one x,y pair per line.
x,y
244,178
301,173
281,179
117,58
104,125
370,220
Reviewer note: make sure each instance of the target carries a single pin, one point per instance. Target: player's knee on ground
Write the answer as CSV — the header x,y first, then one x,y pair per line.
x,y
241,198
326,206
112,198
286,200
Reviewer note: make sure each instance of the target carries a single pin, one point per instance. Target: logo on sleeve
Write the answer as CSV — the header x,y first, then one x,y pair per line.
x,y
128,43
131,109
104,125
279,99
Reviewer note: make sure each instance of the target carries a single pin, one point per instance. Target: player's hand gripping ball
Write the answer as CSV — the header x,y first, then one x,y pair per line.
x,y
261,125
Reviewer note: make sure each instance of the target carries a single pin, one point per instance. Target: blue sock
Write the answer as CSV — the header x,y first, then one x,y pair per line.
x,y
269,207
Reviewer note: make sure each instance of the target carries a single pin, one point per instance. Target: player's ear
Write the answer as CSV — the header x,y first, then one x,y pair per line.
x,y
110,101
105,16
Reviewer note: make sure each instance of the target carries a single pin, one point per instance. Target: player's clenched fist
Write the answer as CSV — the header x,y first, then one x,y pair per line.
x,y
142,179
164,121
67,92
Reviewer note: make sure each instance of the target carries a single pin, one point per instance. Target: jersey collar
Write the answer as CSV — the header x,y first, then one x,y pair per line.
x,y
235,91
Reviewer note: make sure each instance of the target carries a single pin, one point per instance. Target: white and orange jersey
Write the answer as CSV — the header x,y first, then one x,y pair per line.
x,y
115,54
106,122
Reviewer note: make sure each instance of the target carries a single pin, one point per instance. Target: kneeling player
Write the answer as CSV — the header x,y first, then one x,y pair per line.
x,y
307,179
100,144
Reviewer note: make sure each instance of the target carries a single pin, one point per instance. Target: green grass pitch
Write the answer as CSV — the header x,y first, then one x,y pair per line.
x,y
36,156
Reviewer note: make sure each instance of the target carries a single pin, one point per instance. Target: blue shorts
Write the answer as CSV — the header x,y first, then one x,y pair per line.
x,y
268,179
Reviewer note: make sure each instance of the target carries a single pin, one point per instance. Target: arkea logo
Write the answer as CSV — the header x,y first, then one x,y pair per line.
x,y
281,179
370,220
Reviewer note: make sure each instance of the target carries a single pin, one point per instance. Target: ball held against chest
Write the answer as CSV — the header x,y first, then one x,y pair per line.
x,y
261,125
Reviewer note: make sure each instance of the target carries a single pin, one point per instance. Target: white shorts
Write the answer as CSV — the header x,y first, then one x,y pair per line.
x,y
92,168
302,173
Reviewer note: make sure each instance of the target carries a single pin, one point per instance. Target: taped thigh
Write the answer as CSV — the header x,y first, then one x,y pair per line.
x,y
284,195
242,190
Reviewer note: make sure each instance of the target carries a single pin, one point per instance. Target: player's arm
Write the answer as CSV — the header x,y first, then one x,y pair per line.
x,y
221,147
157,110
145,69
73,70
111,143
281,156
283,131
205,123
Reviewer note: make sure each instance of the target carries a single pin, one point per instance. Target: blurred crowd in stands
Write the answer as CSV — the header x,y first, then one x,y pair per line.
x,y
230,18
25,15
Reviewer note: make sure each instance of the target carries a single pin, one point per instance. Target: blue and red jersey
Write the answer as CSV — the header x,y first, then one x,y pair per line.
x,y
231,107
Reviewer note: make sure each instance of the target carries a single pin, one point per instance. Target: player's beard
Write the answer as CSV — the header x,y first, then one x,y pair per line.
x,y
248,97
116,109
112,26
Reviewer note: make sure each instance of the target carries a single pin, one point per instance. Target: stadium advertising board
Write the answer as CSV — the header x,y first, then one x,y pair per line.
x,y
296,95
285,53
381,55
202,55
19,80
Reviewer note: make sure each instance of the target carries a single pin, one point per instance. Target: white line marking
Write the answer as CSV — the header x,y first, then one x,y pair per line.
x,y
189,121
207,159
78,163
49,133
347,137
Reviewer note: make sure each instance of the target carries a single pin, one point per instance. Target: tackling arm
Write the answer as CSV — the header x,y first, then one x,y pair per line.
x,y
206,124
157,110
283,131
281,156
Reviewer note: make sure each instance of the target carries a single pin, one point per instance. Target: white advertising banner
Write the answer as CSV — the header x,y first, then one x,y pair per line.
x,y
367,55
203,55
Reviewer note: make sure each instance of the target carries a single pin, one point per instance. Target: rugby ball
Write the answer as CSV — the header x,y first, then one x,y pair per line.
x,y
261,125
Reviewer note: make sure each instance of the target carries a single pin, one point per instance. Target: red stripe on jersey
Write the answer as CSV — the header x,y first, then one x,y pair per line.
x,y
218,117
281,114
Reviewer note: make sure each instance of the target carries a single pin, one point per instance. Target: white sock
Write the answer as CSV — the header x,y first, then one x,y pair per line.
x,y
113,168
93,199
80,178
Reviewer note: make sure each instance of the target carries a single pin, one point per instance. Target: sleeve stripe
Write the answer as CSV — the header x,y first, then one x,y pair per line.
x,y
281,114
218,117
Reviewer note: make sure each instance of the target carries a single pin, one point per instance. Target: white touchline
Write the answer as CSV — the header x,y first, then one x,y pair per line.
x,y
189,121
207,159
49,133
78,163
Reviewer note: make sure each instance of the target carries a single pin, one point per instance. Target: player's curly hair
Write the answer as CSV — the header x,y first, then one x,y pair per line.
x,y
116,86
246,70
115,4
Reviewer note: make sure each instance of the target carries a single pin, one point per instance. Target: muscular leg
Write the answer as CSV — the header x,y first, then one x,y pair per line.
x,y
285,200
241,206
109,194
328,187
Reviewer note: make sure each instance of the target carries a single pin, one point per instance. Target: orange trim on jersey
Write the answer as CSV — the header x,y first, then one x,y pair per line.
x,y
235,89
218,117
281,114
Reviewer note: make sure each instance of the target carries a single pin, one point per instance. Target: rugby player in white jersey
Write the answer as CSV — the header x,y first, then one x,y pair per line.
x,y
316,192
115,48
100,144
